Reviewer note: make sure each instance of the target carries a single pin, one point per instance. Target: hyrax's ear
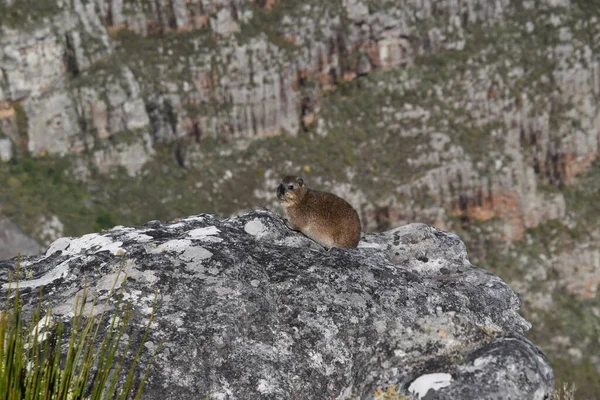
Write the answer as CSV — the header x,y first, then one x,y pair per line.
x,y
300,182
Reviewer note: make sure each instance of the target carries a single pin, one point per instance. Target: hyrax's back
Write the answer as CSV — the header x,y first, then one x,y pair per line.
x,y
332,221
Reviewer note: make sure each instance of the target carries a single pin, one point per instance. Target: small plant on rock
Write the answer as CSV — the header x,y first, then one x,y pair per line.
x,y
36,364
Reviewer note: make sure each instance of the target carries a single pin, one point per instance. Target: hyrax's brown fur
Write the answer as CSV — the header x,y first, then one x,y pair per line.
x,y
324,217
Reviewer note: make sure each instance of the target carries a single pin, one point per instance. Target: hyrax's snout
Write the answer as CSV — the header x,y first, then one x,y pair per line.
x,y
280,190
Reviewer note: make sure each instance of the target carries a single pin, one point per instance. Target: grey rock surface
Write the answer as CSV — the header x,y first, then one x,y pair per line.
x,y
248,309
14,242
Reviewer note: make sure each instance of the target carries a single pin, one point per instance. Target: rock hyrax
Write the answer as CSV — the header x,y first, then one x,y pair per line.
x,y
324,217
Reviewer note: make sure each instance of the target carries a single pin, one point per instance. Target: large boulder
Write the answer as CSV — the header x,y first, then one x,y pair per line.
x,y
248,309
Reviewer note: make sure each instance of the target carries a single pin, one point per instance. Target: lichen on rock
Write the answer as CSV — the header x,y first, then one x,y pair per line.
x,y
249,309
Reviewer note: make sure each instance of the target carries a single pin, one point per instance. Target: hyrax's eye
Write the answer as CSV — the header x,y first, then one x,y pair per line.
x,y
291,187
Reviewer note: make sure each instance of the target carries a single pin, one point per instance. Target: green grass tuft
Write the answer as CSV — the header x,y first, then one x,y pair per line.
x,y
35,364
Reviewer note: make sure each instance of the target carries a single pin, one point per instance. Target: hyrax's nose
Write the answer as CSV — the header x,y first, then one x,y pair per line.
x,y
280,189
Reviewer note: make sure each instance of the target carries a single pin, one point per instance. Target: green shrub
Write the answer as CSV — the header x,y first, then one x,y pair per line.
x,y
105,221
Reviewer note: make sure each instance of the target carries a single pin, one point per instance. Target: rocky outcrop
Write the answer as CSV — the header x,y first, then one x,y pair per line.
x,y
249,309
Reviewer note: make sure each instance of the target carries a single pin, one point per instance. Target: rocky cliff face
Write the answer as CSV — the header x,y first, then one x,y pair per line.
x,y
80,73
475,116
249,309
113,79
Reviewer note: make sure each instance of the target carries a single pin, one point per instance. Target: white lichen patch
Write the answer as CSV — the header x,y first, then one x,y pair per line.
x,y
187,251
72,305
195,268
201,233
482,361
144,276
121,228
225,291
255,228
90,243
138,237
399,353
366,245
478,364
423,384
133,295
380,326
60,271
176,245
66,308
317,360
194,218
113,247
195,254
211,239
147,305
266,387
110,281
177,375
292,241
